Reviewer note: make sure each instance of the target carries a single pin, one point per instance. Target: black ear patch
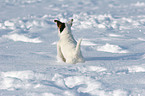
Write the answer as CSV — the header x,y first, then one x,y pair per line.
x,y
60,25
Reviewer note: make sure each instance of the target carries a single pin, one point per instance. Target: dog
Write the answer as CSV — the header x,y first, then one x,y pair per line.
x,y
68,50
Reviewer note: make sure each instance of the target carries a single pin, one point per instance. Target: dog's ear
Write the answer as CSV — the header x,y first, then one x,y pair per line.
x,y
70,22
60,25
58,22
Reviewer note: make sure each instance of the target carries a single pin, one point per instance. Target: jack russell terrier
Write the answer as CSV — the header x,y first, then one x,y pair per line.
x,y
68,50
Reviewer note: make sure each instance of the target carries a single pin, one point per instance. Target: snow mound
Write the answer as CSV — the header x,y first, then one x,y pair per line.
x,y
111,48
139,4
87,85
141,39
87,43
26,23
18,2
91,86
85,20
120,93
40,94
133,69
114,35
14,80
17,37
105,21
79,80
84,69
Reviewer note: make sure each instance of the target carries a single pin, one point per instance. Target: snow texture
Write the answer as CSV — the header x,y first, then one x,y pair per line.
x,y
113,45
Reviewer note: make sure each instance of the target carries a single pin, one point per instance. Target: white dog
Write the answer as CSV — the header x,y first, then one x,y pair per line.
x,y
68,50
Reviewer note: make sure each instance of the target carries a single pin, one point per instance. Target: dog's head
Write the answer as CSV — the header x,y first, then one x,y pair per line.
x,y
64,27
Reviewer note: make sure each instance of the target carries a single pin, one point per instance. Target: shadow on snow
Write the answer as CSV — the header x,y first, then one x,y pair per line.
x,y
135,56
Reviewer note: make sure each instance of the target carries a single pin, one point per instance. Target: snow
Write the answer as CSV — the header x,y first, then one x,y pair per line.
x,y
139,4
136,69
111,48
17,37
113,44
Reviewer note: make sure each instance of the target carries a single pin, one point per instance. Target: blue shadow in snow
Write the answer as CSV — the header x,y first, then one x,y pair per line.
x,y
135,56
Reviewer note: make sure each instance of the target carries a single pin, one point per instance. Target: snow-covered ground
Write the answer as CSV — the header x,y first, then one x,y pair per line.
x,y
113,33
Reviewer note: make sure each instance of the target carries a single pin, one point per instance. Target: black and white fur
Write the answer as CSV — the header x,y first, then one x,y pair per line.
x,y
68,50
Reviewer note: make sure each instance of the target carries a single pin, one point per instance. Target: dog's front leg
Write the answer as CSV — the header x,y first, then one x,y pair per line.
x,y
59,54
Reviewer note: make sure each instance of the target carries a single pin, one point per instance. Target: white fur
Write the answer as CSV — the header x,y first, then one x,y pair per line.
x,y
68,50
